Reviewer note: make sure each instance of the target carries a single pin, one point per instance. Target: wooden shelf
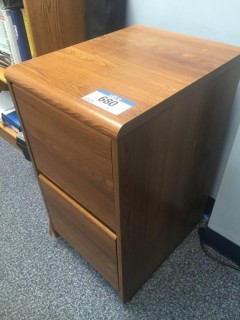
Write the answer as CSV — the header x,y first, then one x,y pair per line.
x,y
8,134
2,78
5,132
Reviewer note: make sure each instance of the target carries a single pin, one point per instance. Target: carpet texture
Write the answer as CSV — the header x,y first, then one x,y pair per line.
x,y
43,278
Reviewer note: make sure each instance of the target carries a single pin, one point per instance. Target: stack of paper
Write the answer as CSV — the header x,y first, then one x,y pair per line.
x,y
5,102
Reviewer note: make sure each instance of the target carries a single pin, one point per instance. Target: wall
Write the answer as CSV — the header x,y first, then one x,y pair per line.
x,y
225,217
217,20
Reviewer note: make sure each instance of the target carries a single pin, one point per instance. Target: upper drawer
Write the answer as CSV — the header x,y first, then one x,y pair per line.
x,y
74,156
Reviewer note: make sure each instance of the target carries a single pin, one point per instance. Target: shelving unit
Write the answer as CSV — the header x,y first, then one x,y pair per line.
x,y
53,24
5,132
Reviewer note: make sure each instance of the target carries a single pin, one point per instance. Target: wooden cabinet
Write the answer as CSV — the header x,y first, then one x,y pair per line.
x,y
125,189
53,24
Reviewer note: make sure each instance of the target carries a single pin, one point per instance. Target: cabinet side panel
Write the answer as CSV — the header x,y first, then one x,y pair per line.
x,y
166,170
55,24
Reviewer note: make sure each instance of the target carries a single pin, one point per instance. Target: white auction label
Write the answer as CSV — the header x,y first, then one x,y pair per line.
x,y
108,101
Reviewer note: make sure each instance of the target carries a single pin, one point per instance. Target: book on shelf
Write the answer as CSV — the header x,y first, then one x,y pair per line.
x,y
10,119
6,58
21,36
10,33
12,4
6,102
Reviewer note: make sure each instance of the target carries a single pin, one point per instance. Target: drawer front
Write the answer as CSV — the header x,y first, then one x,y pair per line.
x,y
74,156
94,241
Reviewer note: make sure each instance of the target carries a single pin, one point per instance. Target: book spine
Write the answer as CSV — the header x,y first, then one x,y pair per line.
x,y
4,43
21,36
11,35
28,32
19,44
13,4
5,61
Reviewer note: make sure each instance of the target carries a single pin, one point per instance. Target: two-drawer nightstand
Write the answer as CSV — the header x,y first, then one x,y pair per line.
x,y
125,133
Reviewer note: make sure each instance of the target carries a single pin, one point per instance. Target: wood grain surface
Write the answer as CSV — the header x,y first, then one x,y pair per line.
x,y
95,242
55,24
166,171
120,63
72,155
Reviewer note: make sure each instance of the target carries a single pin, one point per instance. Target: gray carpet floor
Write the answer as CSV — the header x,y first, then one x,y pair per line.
x,y
43,278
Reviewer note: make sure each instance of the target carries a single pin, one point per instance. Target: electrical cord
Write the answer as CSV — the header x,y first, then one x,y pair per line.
x,y
201,231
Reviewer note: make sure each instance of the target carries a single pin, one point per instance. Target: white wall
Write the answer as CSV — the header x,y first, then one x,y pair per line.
x,y
225,217
217,20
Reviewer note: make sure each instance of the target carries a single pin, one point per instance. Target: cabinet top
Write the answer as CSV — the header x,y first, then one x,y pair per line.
x,y
147,67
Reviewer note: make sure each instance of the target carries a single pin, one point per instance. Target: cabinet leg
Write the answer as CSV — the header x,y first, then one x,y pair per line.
x,y
52,231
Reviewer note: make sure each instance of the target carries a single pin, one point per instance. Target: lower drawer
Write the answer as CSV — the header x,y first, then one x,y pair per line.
x,y
94,241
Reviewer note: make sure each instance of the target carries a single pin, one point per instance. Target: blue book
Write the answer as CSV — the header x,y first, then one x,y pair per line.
x,y
10,119
21,35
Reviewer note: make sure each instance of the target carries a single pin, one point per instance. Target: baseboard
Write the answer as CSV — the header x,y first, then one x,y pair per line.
x,y
224,246
209,206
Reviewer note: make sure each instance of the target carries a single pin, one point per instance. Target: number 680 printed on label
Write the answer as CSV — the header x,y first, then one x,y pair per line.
x,y
108,101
